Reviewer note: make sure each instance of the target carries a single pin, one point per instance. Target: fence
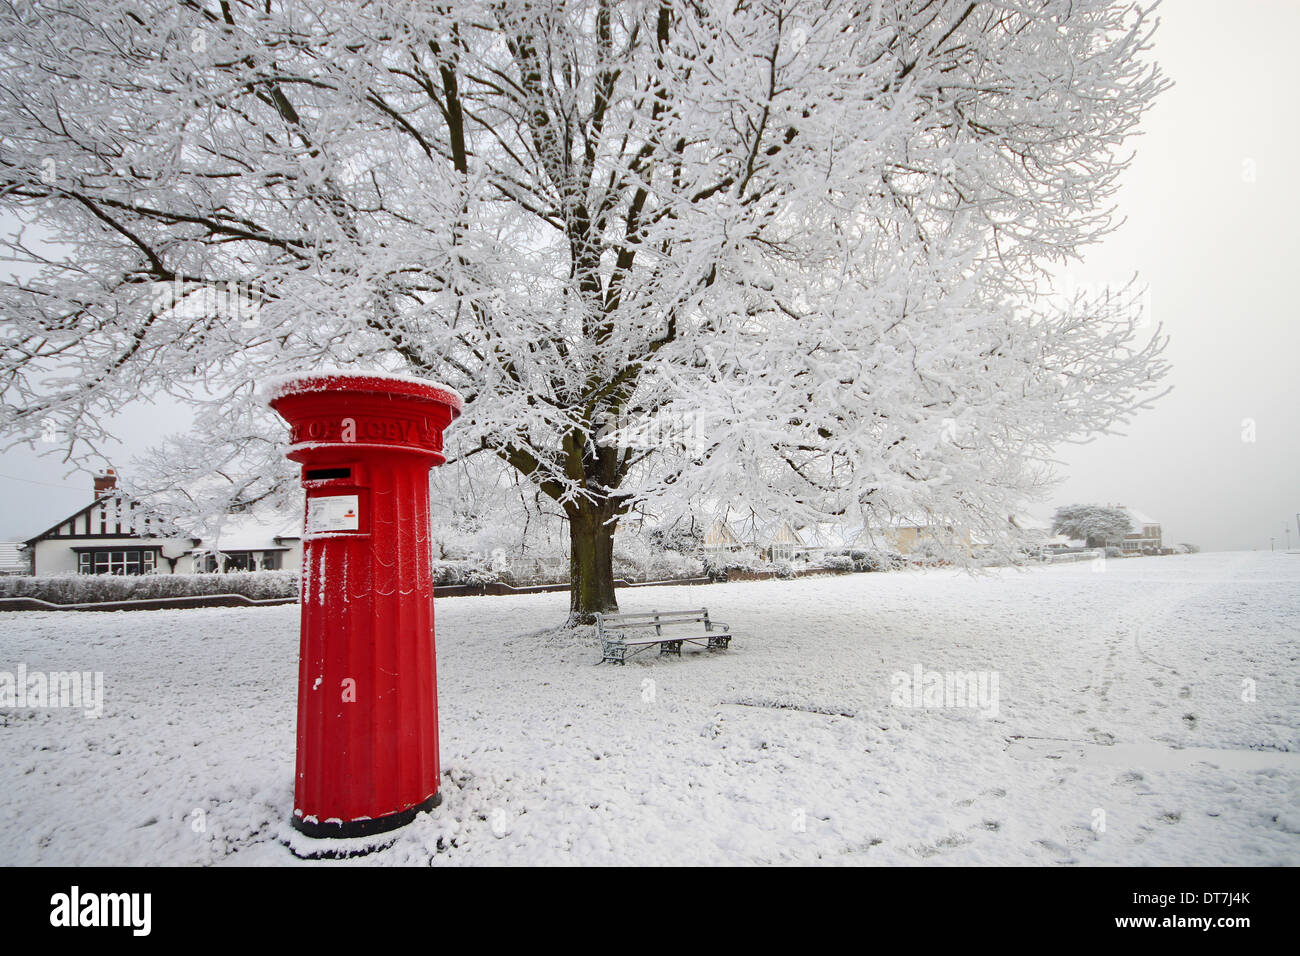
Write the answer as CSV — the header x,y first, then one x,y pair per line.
x,y
1067,557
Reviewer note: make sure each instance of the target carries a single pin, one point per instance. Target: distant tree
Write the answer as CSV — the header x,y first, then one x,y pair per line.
x,y
1098,525
1190,548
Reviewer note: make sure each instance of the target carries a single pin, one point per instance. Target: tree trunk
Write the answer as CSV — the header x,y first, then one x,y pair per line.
x,y
591,563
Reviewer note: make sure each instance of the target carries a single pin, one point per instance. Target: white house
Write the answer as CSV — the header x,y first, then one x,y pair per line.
x,y
1147,538
116,534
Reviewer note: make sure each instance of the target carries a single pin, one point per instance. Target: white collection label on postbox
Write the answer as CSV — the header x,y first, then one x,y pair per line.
x,y
332,513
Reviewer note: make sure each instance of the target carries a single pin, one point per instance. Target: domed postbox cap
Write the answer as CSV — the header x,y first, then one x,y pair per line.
x,y
364,409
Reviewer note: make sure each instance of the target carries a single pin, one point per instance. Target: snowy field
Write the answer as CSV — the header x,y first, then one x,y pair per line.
x,y
1120,736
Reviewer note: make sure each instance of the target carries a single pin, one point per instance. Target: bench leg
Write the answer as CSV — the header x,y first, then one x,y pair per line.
x,y
721,641
670,647
615,654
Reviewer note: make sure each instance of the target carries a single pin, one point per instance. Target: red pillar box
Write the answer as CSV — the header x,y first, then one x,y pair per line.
x,y
367,694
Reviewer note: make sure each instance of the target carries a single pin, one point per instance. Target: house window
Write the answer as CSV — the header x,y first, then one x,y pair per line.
x,y
241,561
116,562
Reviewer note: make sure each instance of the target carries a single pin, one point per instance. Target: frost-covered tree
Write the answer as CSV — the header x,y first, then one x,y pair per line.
x,y
1097,525
787,256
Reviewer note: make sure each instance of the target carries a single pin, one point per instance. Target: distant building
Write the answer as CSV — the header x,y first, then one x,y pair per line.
x,y
1059,542
1040,537
14,558
1146,538
116,534
720,539
781,542
909,535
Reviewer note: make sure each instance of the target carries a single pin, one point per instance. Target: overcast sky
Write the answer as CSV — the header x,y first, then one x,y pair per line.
x,y
1212,213
1212,210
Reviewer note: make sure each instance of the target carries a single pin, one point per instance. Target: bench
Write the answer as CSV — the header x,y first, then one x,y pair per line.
x,y
619,633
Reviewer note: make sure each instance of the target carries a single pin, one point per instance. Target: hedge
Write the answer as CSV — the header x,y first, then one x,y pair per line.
x,y
91,588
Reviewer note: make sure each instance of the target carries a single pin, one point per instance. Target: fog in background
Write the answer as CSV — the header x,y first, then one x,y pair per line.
x,y
1212,211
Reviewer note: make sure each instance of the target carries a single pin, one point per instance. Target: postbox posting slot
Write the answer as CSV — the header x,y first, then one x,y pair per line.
x,y
324,474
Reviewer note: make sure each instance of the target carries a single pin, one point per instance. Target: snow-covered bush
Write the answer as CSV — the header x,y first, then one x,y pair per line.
x,y
93,588
672,564
473,571
837,562
858,559
879,560
716,565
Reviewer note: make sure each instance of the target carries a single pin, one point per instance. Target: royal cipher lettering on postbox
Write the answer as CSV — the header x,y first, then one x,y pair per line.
x,y
363,429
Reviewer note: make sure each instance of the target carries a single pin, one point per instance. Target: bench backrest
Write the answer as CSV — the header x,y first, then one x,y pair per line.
x,y
655,619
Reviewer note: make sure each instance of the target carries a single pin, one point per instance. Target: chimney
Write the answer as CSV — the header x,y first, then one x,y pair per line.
x,y
105,482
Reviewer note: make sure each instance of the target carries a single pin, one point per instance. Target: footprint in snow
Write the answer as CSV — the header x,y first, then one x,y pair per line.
x,y
1061,853
950,842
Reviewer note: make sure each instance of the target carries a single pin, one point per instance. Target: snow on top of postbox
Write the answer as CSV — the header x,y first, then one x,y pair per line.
x,y
320,380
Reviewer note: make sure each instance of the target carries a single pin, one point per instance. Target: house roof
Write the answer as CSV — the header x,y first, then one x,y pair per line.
x,y
1140,518
832,535
1027,521
720,534
783,534
127,503
60,523
237,532
251,531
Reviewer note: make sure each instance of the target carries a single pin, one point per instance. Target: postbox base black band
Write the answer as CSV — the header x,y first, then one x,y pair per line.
x,y
363,828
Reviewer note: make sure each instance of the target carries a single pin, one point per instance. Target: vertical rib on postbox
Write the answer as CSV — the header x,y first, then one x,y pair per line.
x,y
367,689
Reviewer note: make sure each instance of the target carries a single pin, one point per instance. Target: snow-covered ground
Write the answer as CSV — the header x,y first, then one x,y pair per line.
x,y
1121,734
